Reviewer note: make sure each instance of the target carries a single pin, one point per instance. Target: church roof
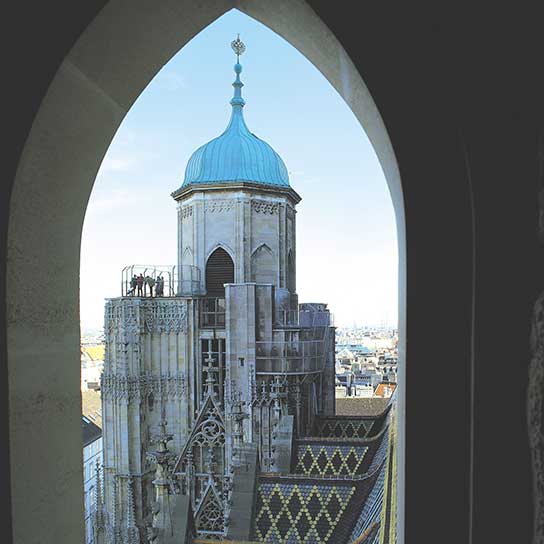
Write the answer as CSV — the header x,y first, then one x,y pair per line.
x,y
91,432
350,427
335,494
361,406
91,406
385,389
300,509
325,457
237,154
94,353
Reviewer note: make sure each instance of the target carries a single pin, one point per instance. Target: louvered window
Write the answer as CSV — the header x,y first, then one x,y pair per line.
x,y
219,270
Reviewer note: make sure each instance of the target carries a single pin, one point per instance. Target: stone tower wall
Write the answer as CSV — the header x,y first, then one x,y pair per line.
x,y
256,229
147,371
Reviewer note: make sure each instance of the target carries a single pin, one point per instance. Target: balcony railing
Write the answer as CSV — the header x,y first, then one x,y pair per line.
x,y
188,280
295,357
212,313
304,318
160,281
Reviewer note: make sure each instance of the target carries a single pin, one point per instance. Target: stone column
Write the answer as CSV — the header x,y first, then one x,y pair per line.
x,y
240,338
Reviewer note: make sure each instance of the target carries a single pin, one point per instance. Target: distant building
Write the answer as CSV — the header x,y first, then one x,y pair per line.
x,y
345,379
385,390
92,365
356,367
370,377
345,356
356,391
92,462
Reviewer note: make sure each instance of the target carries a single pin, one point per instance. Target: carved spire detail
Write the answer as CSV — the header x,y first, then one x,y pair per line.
x,y
132,535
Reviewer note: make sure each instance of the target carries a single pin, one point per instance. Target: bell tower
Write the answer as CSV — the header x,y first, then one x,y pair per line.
x,y
222,359
236,210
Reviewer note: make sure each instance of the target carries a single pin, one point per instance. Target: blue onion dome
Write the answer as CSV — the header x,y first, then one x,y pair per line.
x,y
237,154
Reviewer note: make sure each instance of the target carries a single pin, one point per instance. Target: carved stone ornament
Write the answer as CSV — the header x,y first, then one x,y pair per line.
x,y
121,387
535,397
219,206
186,212
165,316
133,316
290,211
210,518
121,315
263,206
202,463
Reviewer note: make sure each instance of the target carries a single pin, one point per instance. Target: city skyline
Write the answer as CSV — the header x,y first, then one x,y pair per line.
x,y
348,257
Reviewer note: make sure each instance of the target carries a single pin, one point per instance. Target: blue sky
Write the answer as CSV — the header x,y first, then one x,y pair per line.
x,y
346,234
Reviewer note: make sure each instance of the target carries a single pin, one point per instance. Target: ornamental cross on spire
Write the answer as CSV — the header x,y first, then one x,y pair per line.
x,y
238,47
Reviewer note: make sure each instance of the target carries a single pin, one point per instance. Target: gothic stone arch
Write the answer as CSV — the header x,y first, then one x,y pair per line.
x,y
187,257
263,265
219,270
108,67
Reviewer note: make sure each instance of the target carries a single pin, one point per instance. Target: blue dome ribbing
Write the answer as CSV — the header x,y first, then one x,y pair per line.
x,y
237,154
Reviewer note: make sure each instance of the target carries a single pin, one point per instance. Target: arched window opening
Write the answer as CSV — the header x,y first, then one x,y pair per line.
x,y
219,270
297,353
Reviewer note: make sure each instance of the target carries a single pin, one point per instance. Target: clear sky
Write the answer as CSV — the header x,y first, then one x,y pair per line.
x,y
346,234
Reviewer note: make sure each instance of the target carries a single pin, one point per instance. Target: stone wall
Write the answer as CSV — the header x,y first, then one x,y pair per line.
x,y
257,230
148,365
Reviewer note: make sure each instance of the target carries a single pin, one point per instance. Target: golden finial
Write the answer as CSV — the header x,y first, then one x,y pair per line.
x,y
238,47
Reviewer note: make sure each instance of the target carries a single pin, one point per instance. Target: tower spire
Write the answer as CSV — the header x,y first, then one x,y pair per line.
x,y
98,517
238,47
132,535
236,154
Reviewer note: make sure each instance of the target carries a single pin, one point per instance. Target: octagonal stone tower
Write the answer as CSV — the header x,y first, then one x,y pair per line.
x,y
224,364
236,204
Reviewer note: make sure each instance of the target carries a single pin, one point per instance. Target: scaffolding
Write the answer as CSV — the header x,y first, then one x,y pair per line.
x,y
305,354
212,313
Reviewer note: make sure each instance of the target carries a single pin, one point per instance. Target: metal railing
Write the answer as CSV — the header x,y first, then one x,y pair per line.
x,y
306,354
160,281
188,280
291,357
287,318
304,318
212,312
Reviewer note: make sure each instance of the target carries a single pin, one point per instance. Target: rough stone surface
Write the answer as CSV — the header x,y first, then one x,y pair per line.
x,y
360,406
117,55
